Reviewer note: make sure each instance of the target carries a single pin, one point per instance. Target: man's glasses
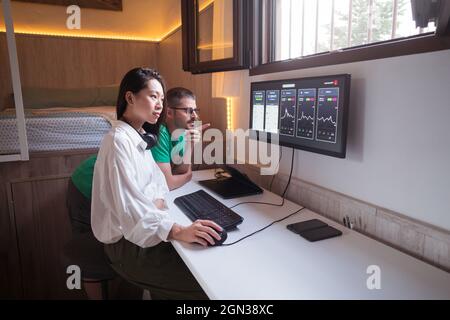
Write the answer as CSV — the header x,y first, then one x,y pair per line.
x,y
190,111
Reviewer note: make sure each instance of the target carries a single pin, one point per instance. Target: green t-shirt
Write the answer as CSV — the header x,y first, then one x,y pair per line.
x,y
165,147
84,174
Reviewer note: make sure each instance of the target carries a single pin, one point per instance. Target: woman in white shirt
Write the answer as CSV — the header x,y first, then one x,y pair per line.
x,y
128,211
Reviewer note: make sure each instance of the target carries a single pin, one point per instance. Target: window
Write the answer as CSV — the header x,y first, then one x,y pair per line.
x,y
280,35
215,35
308,33
308,27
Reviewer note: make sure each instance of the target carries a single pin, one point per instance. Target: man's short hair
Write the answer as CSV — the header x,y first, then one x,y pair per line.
x,y
175,95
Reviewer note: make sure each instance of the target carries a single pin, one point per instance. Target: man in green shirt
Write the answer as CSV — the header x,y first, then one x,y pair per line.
x,y
177,137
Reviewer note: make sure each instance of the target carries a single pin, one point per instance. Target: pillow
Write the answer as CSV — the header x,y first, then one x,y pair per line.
x,y
37,98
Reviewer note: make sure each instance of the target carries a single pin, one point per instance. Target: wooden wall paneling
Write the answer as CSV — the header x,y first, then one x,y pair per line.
x,y
10,273
43,228
40,165
219,113
29,265
10,265
61,62
5,74
70,62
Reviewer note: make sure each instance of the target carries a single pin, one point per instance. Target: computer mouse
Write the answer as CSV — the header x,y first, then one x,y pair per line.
x,y
223,236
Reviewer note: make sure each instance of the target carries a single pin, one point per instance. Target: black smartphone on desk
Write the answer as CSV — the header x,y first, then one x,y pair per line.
x,y
300,227
320,233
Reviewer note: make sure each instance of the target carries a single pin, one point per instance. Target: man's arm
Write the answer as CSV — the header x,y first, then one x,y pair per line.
x,y
178,175
192,137
185,165
174,180
181,169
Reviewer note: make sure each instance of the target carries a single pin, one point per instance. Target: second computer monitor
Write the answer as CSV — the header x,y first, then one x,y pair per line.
x,y
305,113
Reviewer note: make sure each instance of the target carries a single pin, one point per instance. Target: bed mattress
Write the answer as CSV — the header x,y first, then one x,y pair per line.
x,y
54,131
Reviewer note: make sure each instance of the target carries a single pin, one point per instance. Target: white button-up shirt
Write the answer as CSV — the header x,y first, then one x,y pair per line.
x,y
126,182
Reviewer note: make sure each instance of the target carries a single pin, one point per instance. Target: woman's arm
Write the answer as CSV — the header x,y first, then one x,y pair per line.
x,y
119,206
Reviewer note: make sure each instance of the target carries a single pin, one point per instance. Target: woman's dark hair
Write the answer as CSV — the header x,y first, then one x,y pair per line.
x,y
135,80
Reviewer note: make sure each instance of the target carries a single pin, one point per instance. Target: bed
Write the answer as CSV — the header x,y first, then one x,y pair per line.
x,y
57,129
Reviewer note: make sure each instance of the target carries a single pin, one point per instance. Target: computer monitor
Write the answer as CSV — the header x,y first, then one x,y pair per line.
x,y
305,113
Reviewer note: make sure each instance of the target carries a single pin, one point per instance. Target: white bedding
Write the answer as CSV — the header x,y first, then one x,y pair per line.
x,y
57,129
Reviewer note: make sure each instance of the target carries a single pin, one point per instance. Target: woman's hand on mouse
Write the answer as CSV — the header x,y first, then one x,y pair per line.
x,y
201,232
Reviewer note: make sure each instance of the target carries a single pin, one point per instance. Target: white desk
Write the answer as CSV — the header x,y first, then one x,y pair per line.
x,y
278,264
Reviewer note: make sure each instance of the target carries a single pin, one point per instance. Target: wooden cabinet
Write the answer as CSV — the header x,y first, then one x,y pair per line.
x,y
34,226
43,228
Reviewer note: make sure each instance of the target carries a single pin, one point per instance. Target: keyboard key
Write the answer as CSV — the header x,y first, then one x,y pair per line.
x,y
201,205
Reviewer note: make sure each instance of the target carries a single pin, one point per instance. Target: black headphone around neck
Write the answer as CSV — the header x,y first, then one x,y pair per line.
x,y
150,138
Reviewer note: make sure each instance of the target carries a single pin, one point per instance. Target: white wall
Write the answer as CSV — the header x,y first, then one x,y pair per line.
x,y
398,150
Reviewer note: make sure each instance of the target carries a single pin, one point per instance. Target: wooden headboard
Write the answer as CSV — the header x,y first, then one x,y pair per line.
x,y
62,62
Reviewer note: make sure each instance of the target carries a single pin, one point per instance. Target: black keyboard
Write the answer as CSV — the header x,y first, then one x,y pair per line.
x,y
201,205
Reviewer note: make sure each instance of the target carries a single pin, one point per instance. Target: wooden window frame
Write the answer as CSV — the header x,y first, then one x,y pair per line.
x,y
440,40
241,39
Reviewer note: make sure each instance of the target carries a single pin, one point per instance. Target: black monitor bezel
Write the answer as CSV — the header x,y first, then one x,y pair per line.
x,y
255,134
